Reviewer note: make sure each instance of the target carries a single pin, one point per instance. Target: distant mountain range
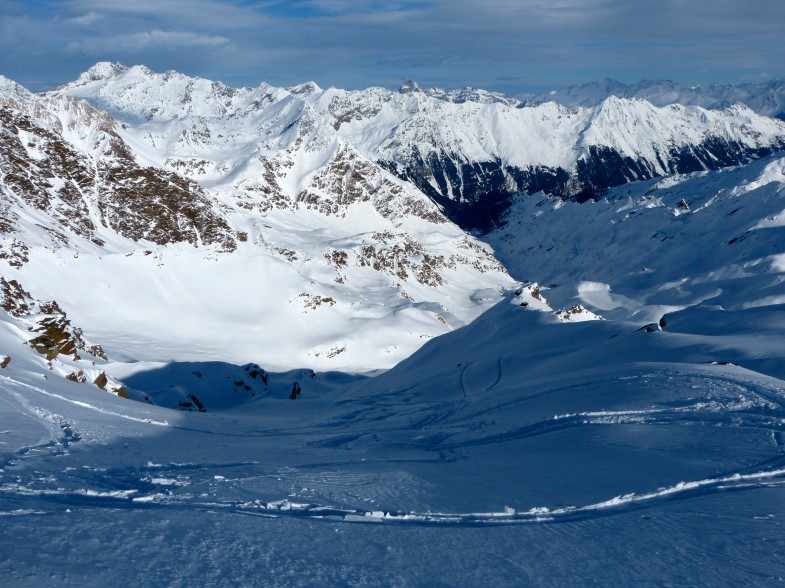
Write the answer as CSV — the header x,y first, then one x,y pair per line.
x,y
338,227
467,150
767,98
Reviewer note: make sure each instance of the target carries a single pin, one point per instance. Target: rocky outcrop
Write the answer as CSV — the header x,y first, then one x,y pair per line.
x,y
83,192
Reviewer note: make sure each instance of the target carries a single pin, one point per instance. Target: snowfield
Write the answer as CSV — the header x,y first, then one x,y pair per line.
x,y
519,448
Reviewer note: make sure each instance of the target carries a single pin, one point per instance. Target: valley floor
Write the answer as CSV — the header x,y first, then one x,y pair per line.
x,y
482,472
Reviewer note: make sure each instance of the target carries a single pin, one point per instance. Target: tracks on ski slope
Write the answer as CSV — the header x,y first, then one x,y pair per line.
x,y
61,434
207,487
294,508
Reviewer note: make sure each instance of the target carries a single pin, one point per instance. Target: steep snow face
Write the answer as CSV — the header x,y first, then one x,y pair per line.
x,y
264,148
393,126
13,94
650,248
138,92
257,237
471,156
637,129
461,95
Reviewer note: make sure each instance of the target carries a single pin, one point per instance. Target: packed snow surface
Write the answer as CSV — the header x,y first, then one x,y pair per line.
x,y
512,438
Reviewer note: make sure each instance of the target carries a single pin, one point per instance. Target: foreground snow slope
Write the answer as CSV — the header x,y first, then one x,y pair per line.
x,y
518,449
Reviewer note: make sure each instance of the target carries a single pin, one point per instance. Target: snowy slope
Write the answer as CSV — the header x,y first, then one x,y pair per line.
x,y
275,243
294,204
471,156
548,135
652,247
509,451
617,419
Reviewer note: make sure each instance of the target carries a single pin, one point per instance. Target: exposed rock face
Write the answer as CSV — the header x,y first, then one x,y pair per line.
x,y
101,381
80,192
56,335
468,150
15,300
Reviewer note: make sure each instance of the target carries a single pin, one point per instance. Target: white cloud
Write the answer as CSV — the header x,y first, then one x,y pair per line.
x,y
190,14
151,40
500,44
86,19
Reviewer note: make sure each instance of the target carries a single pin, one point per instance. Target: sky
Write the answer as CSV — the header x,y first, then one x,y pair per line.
x,y
511,46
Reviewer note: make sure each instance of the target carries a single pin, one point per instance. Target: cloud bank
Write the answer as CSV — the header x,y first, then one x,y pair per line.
x,y
507,45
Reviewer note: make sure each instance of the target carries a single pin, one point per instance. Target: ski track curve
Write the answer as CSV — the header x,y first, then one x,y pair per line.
x,y
499,376
161,499
207,487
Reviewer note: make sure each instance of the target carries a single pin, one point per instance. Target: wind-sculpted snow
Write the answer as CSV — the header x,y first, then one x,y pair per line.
x,y
515,432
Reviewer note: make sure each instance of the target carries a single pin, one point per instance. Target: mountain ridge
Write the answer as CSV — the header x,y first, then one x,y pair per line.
x,y
468,155
766,98
84,196
343,196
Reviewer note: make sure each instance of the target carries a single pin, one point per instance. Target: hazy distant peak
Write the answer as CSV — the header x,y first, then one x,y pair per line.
x,y
102,71
409,86
306,89
10,89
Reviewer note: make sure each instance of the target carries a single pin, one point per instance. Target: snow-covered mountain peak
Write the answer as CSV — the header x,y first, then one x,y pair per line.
x,y
468,94
767,98
139,93
637,128
13,94
306,89
203,179
11,88
102,70
409,86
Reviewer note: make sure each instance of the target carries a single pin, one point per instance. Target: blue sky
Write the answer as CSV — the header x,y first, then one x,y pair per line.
x,y
512,46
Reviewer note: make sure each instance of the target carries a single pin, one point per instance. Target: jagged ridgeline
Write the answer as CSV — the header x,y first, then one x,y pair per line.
x,y
468,150
229,223
575,153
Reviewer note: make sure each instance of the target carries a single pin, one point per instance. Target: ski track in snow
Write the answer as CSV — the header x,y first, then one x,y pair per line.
x,y
162,498
499,376
215,486
85,404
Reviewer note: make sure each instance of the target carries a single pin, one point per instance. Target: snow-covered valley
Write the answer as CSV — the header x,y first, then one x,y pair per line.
x,y
239,347
519,448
